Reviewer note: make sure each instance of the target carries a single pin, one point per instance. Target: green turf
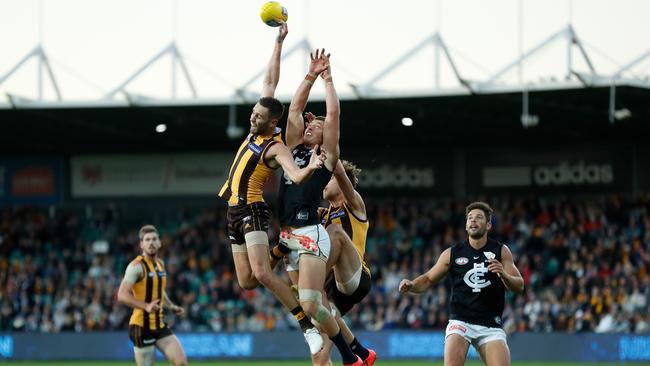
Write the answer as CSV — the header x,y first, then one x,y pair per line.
x,y
306,362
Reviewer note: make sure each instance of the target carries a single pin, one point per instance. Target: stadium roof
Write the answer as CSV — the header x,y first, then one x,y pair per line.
x,y
574,58
580,105
576,115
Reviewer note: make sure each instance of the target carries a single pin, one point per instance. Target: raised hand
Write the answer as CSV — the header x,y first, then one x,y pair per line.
x,y
327,73
319,62
309,117
283,30
316,160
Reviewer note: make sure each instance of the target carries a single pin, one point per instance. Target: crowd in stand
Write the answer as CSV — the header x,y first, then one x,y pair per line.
x,y
585,264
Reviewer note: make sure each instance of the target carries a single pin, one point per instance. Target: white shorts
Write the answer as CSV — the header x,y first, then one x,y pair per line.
x,y
476,335
320,237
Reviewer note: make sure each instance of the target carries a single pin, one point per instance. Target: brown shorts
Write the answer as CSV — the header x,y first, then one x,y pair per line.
x,y
142,337
345,302
243,219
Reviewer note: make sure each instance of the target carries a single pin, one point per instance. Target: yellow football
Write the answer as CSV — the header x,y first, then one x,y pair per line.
x,y
272,12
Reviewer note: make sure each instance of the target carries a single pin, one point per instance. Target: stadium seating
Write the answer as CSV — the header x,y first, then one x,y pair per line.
x,y
585,262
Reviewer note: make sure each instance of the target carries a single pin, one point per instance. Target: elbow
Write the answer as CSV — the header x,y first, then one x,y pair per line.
x,y
294,109
334,112
120,297
521,289
296,178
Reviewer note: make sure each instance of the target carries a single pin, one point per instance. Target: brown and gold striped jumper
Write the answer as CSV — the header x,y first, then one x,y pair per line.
x,y
249,172
149,288
356,228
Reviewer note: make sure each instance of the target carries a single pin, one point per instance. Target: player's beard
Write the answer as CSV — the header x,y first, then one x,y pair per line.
x,y
478,234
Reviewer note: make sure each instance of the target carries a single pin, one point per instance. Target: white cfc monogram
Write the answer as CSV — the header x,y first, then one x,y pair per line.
x,y
474,277
299,162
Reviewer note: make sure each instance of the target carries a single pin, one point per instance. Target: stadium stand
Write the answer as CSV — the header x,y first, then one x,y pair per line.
x,y
585,262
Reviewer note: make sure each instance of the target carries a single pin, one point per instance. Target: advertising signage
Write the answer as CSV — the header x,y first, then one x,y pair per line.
x,y
418,172
31,180
576,170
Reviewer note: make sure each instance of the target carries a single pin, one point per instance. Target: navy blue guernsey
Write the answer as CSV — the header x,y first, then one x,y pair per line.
x,y
477,295
298,203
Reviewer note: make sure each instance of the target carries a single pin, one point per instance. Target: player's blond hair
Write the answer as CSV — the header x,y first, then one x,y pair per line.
x,y
352,171
146,229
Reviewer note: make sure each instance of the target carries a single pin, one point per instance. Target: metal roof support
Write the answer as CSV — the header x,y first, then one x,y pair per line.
x,y
557,35
177,58
438,42
302,45
572,39
43,62
630,65
527,119
612,102
616,76
233,131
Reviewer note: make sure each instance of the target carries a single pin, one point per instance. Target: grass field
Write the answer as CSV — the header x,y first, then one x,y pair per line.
x,y
306,362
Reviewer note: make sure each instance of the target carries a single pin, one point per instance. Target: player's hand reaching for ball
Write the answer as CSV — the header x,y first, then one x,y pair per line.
x,y
178,310
405,286
309,117
283,30
495,266
317,158
318,62
327,73
152,306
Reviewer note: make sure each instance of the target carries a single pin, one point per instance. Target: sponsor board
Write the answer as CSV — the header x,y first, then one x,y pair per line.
x,y
552,168
397,344
397,176
579,173
31,180
148,175
564,173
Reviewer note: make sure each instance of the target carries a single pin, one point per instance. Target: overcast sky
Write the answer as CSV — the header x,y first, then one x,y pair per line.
x,y
94,45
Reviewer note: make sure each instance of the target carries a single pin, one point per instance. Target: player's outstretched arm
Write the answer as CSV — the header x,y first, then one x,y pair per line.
x,y
331,129
352,197
507,271
125,296
272,76
283,157
295,122
430,278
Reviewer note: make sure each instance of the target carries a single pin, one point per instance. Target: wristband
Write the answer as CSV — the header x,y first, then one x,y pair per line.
x,y
310,78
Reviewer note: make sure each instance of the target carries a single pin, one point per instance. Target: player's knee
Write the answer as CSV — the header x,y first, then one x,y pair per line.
x,y
312,303
248,283
336,232
309,307
262,275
